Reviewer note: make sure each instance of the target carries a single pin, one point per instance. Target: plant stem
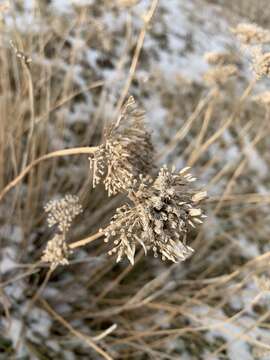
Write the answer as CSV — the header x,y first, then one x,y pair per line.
x,y
87,240
58,153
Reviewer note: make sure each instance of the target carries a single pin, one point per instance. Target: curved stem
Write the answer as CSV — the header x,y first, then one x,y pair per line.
x,y
58,153
87,240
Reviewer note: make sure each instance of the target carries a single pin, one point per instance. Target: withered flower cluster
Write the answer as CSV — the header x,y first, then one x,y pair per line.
x,y
158,218
251,34
126,152
253,39
161,207
60,213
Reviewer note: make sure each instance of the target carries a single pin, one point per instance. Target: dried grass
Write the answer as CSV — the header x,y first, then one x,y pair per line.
x,y
95,308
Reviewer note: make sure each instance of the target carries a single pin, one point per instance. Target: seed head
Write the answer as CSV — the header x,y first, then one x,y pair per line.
x,y
218,58
62,212
159,217
251,34
260,62
56,251
126,153
219,75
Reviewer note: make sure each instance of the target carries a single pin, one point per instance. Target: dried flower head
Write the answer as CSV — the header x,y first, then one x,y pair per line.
x,y
56,251
220,74
62,212
126,153
260,62
159,218
218,58
251,34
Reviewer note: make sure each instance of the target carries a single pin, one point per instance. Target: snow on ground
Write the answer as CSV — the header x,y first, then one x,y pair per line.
x,y
174,48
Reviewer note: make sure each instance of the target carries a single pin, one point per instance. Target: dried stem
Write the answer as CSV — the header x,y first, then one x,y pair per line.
x,y
147,19
86,241
75,332
58,153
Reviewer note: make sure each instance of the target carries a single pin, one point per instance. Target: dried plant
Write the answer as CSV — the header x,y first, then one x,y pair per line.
x,y
251,34
219,58
159,217
61,213
260,62
56,252
220,74
126,153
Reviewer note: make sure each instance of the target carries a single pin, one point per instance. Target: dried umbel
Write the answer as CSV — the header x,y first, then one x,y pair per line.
x,y
62,212
219,75
126,153
260,63
251,34
56,252
159,217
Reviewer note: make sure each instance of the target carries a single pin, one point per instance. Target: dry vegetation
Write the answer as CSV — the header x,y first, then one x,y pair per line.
x,y
89,190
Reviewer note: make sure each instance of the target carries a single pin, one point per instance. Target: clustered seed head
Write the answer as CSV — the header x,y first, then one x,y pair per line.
x,y
159,217
126,153
62,212
220,74
218,58
251,34
260,62
56,251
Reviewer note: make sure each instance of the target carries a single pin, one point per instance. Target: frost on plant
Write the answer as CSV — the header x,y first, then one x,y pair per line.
x,y
159,217
126,152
